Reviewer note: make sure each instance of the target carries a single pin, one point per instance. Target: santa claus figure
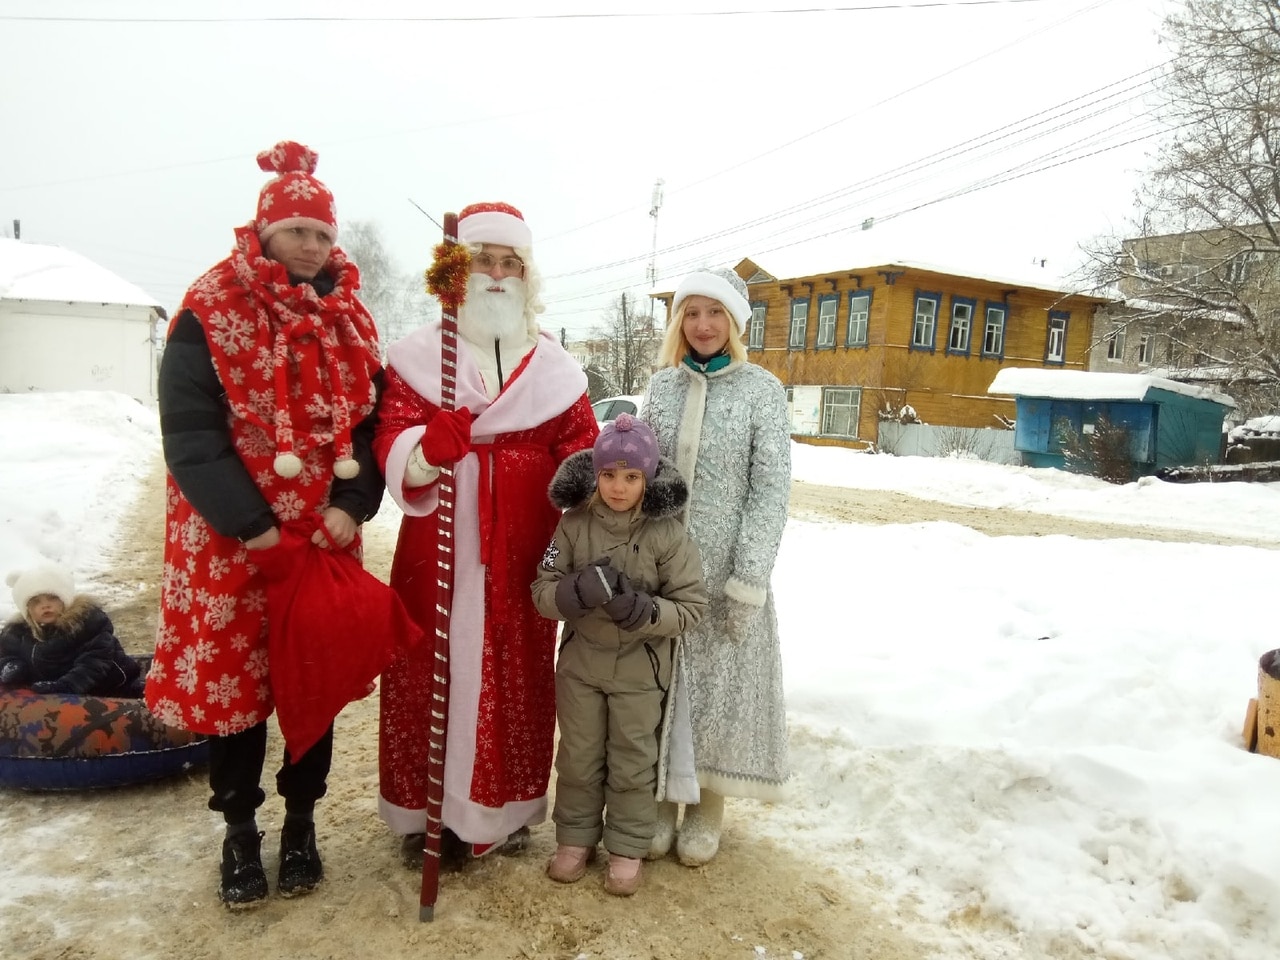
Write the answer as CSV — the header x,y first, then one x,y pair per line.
x,y
521,408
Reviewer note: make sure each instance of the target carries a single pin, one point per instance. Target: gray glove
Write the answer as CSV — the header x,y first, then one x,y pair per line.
x,y
631,609
588,588
739,618
13,673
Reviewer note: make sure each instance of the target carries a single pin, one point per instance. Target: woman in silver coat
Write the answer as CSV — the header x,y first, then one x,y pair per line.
x,y
724,422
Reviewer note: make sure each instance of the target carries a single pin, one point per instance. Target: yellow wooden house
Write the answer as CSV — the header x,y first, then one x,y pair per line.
x,y
858,345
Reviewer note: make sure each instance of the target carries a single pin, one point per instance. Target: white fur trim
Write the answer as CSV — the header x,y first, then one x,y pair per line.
x,y
689,437
270,229
744,592
346,469
494,226
46,578
717,288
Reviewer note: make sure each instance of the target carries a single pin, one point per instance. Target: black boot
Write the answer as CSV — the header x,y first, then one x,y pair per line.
x,y
300,867
244,882
454,853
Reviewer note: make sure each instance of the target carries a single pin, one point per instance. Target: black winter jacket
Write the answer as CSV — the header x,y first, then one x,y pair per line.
x,y
79,651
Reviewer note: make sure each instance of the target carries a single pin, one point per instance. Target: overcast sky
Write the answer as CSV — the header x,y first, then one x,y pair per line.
x,y
777,133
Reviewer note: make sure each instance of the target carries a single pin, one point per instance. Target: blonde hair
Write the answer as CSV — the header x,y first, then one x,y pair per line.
x,y
675,346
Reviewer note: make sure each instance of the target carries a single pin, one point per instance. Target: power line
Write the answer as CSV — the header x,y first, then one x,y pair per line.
x,y
987,141
527,17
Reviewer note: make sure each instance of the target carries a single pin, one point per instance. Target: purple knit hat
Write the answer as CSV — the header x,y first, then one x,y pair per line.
x,y
626,443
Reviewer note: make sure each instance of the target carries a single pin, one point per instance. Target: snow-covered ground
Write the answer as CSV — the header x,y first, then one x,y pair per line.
x,y
1030,744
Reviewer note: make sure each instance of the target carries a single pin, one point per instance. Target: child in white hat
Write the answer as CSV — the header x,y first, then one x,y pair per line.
x,y
59,642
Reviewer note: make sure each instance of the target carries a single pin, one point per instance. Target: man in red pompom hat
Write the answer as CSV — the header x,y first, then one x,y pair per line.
x,y
521,409
267,392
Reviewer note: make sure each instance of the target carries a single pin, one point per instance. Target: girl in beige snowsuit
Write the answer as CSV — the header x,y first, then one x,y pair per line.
x,y
627,579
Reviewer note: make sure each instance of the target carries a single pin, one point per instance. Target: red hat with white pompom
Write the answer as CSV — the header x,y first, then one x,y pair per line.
x,y
294,198
499,223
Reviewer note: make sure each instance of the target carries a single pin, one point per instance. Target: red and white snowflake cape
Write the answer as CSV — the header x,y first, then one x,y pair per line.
x,y
501,651
210,671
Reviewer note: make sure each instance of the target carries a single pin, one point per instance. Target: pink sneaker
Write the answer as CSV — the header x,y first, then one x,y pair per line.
x,y
622,878
568,864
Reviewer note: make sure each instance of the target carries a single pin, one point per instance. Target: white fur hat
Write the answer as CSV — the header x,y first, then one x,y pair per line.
x,y
721,284
498,223
45,578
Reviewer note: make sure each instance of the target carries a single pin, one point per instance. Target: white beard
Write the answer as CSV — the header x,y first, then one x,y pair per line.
x,y
488,315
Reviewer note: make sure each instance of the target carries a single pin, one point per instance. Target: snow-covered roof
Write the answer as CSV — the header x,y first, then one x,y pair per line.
x,y
1268,427
36,271
1086,385
964,250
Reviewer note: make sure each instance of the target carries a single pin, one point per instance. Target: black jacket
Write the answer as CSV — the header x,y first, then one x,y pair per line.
x,y
79,650
201,456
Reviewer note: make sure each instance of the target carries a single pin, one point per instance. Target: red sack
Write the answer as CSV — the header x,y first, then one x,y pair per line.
x,y
332,628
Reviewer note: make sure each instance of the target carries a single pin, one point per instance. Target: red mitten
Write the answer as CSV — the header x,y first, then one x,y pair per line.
x,y
448,437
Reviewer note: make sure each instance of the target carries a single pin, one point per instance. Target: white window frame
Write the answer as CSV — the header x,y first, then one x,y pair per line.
x,y
827,320
1116,343
835,400
799,324
1056,348
755,332
961,325
1146,346
859,320
926,322
992,332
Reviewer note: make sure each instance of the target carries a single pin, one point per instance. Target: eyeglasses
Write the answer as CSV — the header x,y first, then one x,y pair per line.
x,y
485,262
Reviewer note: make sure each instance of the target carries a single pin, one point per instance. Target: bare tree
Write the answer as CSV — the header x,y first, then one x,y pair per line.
x,y
398,300
628,343
1201,272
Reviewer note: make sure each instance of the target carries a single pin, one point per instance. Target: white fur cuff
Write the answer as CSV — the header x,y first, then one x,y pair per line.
x,y
743,592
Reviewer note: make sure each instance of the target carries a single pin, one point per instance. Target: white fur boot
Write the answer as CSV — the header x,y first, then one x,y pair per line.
x,y
699,837
665,835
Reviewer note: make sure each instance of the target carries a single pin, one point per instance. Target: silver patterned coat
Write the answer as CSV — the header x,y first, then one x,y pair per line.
x,y
728,433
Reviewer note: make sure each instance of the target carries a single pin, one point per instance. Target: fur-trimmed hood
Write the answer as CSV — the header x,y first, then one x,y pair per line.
x,y
575,481
72,620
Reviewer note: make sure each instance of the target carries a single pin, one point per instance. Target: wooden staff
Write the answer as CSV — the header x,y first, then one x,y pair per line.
x,y
444,601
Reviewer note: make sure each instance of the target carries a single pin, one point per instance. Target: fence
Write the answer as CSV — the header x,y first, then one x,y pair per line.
x,y
924,440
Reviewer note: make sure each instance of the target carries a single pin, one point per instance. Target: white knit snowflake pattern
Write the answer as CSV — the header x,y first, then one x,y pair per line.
x,y
300,188
195,534
223,691
231,331
288,506
176,589
220,611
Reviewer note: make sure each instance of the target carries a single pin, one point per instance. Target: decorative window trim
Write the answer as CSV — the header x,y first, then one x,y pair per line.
x,y
1003,309
866,325
763,307
791,324
936,300
972,304
828,343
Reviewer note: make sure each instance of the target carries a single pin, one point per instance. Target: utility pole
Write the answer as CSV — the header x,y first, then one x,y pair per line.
x,y
654,206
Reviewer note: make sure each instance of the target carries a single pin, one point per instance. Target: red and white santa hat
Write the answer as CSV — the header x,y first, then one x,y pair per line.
x,y
499,223
294,198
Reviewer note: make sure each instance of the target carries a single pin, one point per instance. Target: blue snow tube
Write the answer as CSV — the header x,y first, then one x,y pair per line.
x,y
71,742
